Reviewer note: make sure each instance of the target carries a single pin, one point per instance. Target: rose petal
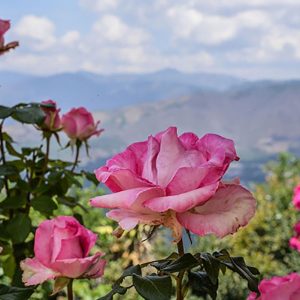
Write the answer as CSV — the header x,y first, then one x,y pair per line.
x,y
128,219
34,272
120,180
75,267
189,140
126,199
231,207
43,242
182,202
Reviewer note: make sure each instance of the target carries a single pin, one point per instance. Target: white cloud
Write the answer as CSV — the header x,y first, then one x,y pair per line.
x,y
99,5
70,38
112,29
37,32
190,23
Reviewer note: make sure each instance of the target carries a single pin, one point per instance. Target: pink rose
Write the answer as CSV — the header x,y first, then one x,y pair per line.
x,y
176,181
52,121
279,288
61,249
296,197
79,124
4,27
295,241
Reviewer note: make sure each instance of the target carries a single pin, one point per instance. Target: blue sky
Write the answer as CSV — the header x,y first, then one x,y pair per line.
x,y
252,39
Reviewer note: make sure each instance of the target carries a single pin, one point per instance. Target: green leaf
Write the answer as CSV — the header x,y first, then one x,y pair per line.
x,y
153,287
44,204
13,202
29,114
9,266
211,266
5,112
201,285
18,228
187,261
7,170
14,293
12,151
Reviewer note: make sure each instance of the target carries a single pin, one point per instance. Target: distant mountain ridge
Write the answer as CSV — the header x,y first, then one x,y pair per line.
x,y
104,92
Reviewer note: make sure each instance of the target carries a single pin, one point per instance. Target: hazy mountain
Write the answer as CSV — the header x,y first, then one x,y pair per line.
x,y
108,91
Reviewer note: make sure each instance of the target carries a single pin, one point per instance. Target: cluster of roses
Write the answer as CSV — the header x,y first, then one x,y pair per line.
x,y
78,123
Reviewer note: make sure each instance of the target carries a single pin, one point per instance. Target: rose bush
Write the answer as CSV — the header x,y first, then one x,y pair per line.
x,y
176,182
295,241
61,249
52,120
279,288
79,124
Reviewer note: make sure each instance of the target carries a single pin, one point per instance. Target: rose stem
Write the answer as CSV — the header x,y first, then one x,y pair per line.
x,y
76,157
70,290
179,295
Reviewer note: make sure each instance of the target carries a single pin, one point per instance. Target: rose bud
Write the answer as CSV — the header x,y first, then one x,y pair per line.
x,y
52,121
79,124
61,249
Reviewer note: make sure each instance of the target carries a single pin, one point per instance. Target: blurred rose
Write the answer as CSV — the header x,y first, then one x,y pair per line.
x,y
279,288
61,249
79,124
52,121
295,241
4,27
296,197
176,181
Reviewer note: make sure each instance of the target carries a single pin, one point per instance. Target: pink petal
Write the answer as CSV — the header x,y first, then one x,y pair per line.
x,y
182,202
171,151
295,243
76,267
69,126
43,242
126,199
231,207
189,140
34,272
4,26
120,180
96,270
187,179
128,219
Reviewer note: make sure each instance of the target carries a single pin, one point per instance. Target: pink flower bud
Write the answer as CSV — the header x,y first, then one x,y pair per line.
x,y
52,121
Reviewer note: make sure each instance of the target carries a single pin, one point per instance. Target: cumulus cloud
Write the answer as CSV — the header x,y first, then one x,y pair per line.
x,y
189,23
99,5
141,36
112,29
38,32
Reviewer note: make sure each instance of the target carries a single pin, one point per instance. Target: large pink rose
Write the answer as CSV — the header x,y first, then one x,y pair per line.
x,y
4,27
61,249
79,124
52,121
295,241
176,181
296,197
279,288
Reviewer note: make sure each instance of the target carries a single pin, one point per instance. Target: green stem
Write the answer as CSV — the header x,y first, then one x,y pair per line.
x,y
179,295
3,157
76,156
48,138
70,290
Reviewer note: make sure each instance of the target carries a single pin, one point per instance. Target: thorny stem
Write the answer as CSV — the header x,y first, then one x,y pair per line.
x,y
3,156
179,295
76,156
70,290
